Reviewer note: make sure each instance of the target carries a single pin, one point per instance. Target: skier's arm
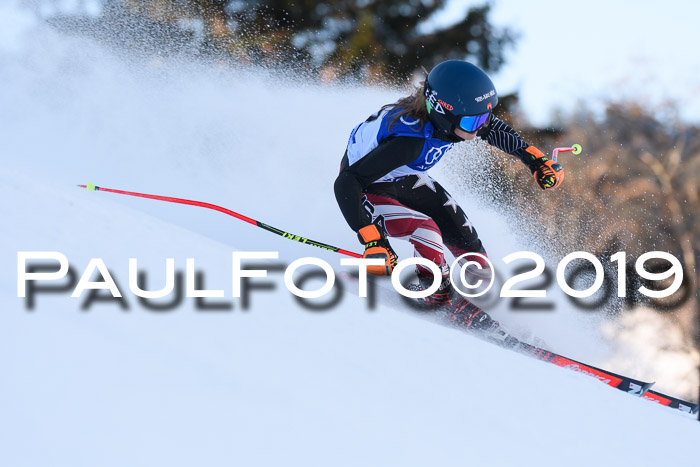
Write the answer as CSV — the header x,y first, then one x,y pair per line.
x,y
354,179
547,173
500,135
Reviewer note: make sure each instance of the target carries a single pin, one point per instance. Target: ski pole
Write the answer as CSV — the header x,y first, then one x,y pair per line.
x,y
575,149
296,238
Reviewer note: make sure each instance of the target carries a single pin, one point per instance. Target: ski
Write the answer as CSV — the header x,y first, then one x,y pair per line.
x,y
629,385
672,402
623,383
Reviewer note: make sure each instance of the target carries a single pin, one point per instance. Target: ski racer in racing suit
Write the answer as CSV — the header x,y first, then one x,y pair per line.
x,y
384,191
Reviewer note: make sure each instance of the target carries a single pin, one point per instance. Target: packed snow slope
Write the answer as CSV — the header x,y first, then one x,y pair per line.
x,y
275,384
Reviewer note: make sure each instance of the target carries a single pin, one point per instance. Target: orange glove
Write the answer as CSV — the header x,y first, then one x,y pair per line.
x,y
548,174
377,246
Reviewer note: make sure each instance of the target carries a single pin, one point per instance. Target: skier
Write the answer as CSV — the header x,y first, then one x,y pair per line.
x,y
384,192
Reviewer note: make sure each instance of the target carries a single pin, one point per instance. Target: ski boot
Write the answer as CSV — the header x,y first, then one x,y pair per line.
x,y
461,312
440,298
469,316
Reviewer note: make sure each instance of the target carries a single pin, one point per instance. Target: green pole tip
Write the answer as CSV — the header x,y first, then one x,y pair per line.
x,y
90,187
577,149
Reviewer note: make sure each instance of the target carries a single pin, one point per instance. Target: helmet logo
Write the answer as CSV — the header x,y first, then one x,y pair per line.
x,y
489,106
434,102
485,96
445,104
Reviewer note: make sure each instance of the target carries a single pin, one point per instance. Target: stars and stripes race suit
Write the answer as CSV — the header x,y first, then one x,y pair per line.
x,y
384,178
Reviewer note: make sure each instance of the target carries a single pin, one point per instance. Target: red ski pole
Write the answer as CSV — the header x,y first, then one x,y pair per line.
x,y
575,149
296,238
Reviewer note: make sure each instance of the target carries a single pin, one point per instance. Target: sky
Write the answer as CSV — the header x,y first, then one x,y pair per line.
x,y
570,53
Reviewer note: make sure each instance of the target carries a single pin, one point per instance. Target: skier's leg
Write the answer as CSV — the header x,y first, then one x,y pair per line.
x,y
459,235
424,198
423,194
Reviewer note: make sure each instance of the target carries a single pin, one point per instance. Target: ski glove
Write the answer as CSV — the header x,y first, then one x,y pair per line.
x,y
548,174
377,247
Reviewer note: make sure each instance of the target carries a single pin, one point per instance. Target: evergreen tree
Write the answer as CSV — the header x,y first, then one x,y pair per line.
x,y
361,38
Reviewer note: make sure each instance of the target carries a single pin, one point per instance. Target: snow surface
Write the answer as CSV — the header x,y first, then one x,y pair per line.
x,y
276,384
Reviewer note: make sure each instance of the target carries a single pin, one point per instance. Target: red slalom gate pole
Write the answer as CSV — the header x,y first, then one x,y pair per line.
x,y
282,233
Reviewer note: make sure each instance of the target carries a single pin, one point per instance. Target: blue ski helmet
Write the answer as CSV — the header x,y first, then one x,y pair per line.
x,y
459,94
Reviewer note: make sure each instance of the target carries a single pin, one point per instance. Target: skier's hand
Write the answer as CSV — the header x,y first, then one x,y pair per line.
x,y
377,247
548,174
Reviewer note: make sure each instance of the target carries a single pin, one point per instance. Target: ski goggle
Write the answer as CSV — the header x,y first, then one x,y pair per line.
x,y
474,122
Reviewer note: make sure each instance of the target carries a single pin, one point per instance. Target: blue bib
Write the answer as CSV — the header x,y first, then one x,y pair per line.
x,y
367,135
